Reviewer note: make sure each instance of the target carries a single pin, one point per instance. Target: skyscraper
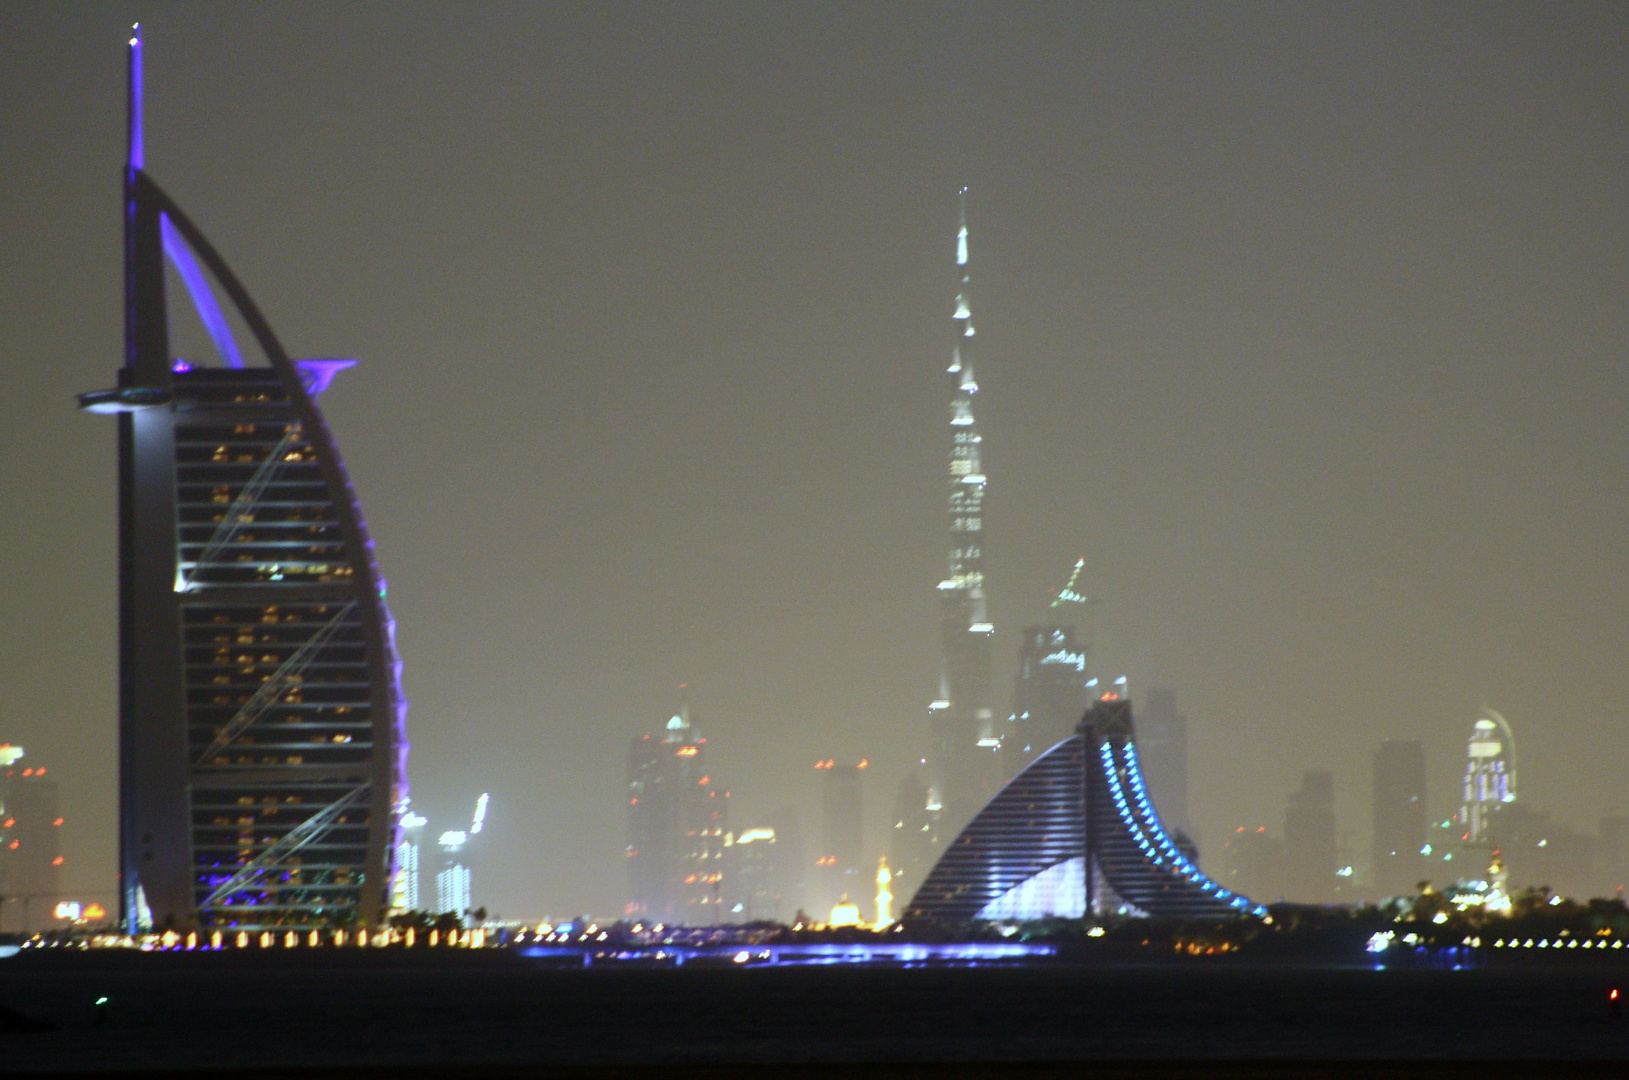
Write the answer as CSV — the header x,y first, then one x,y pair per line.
x,y
262,747
764,871
30,852
1490,775
1309,839
1164,748
677,820
964,764
1399,817
842,867
912,842
455,880
405,894
1049,694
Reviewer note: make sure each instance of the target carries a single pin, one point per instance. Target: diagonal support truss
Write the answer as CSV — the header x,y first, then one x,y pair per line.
x,y
272,689
247,497
308,831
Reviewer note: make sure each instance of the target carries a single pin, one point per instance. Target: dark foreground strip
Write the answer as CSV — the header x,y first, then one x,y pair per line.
x,y
1057,1070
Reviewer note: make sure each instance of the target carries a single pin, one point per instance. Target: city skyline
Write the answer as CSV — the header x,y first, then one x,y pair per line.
x,y
1336,430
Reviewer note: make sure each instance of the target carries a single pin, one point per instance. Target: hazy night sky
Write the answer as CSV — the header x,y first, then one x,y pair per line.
x,y
1305,324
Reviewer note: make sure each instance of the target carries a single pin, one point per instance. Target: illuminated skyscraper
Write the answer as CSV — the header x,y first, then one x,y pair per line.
x,y
912,842
262,747
678,818
841,868
405,895
1049,693
30,851
1490,775
764,871
964,764
453,879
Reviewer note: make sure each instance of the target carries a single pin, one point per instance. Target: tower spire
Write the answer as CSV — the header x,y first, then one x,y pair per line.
x,y
135,152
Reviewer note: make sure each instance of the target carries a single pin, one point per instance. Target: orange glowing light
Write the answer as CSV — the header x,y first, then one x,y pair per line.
x,y
865,763
94,911
688,751
57,861
705,780
15,844
1614,994
58,821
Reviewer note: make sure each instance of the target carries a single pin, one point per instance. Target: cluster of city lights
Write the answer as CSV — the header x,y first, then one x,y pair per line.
x,y
1384,940
218,940
566,932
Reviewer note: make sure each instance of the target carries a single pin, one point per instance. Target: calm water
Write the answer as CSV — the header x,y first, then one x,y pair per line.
x,y
215,1011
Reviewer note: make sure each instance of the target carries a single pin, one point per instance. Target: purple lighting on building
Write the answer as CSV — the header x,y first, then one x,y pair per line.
x,y
319,374
180,367
135,153
203,297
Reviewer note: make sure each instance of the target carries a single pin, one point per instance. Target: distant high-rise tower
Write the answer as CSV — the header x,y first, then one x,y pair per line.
x,y
964,763
1399,817
912,842
1309,839
764,869
30,853
1049,694
1490,775
453,879
841,867
1164,746
677,821
262,742
405,895
454,882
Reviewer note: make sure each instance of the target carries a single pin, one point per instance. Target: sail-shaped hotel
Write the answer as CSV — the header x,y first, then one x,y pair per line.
x,y
262,748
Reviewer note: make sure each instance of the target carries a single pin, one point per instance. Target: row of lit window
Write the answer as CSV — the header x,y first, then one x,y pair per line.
x,y
263,513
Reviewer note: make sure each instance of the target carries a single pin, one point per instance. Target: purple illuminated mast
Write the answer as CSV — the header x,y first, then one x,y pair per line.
x,y
262,741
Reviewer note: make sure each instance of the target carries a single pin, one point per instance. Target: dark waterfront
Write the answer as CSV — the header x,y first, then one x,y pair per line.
x,y
498,1012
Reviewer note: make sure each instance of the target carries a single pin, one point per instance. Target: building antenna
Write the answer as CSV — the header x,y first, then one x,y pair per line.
x,y
135,154
961,232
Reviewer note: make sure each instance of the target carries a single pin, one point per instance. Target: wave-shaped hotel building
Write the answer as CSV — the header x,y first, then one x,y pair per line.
x,y
1074,834
262,748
